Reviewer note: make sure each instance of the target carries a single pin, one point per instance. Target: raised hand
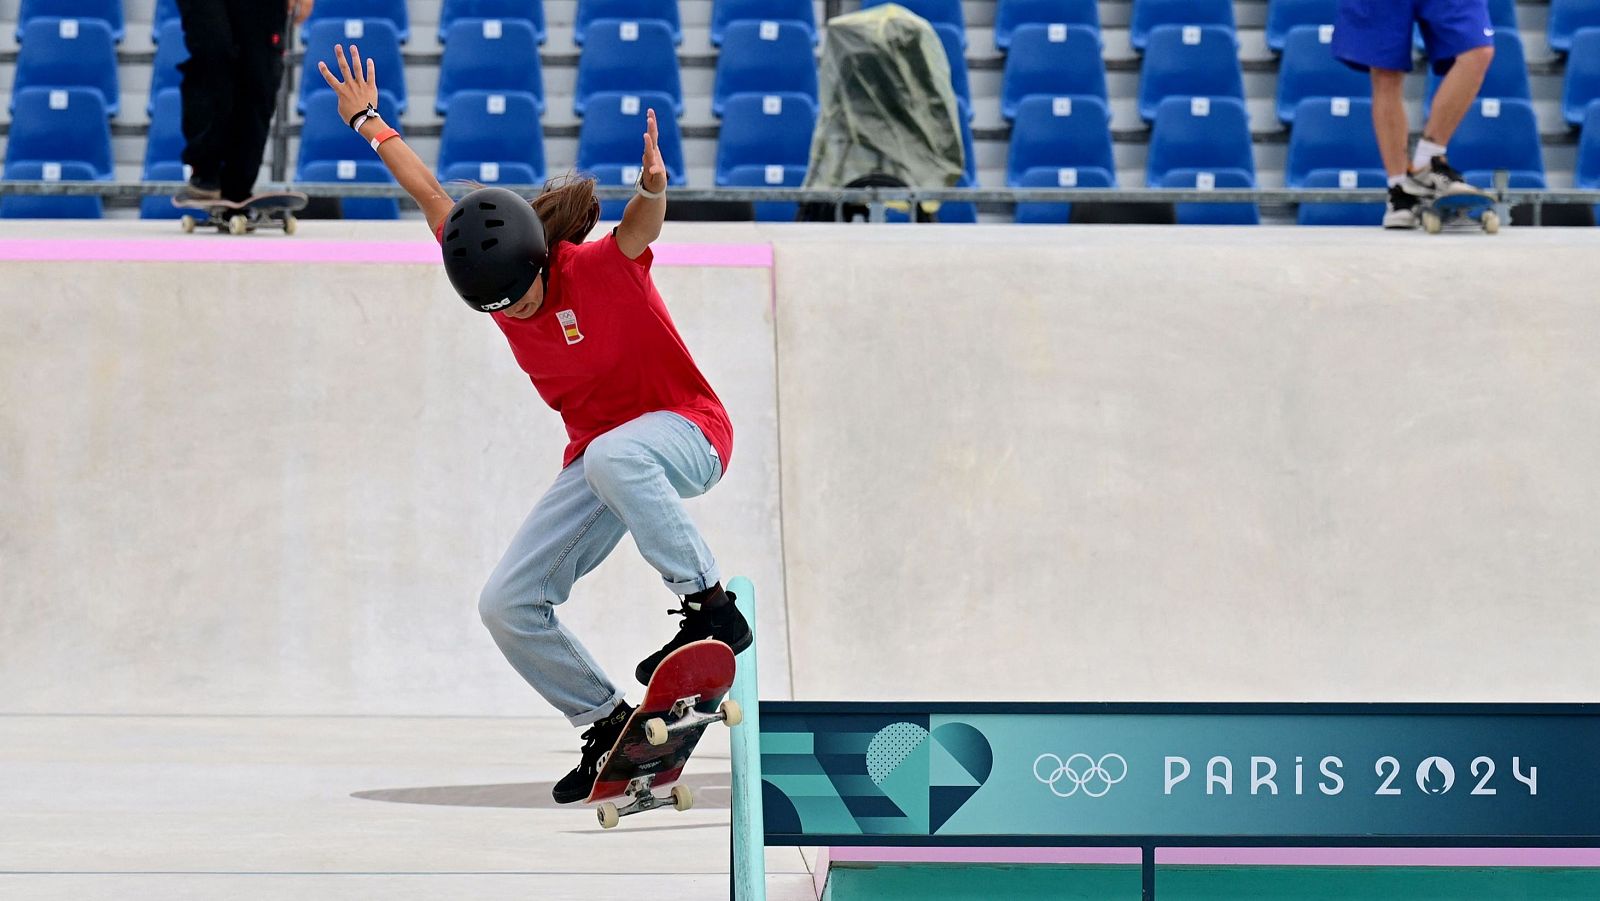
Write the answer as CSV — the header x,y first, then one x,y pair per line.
x,y
357,89
654,171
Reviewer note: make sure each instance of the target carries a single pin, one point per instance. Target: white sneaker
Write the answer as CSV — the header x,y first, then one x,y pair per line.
x,y
1401,211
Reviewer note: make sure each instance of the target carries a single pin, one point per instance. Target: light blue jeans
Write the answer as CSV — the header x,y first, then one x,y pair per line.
x,y
633,480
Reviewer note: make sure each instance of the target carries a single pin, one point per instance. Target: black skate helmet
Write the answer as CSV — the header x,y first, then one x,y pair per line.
x,y
494,248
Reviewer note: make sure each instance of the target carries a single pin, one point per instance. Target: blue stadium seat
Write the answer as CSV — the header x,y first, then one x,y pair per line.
x,y
955,42
1587,173
60,125
326,136
1055,60
1567,17
591,11
1213,213
1189,61
170,53
484,127
946,12
492,173
36,206
107,11
1286,15
530,11
968,154
611,130
765,57
1200,133
498,55
1013,14
391,11
377,41
1507,77
1503,14
765,130
629,57
769,177
1368,214
1331,133
331,152
1582,83
165,141
1150,14
1499,134
1056,132
1059,177
726,12
68,53
163,153
166,11
958,212
1309,70
368,171
159,206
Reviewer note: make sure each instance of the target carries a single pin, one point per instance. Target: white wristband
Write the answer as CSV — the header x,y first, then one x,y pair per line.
x,y
638,187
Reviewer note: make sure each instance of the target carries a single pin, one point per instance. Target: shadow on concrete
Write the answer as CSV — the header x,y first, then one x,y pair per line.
x,y
711,792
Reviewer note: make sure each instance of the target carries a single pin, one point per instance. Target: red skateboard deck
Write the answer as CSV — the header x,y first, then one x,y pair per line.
x,y
683,698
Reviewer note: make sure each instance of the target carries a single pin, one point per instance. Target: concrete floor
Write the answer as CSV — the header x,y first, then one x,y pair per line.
x,y
179,807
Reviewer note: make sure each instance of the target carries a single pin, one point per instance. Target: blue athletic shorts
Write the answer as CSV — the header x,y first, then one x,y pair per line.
x,y
1376,34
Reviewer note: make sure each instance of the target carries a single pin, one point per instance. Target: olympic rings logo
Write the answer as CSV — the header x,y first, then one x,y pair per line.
x,y
1080,772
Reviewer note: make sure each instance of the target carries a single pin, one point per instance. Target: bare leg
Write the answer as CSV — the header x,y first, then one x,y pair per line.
x,y
1455,95
1389,119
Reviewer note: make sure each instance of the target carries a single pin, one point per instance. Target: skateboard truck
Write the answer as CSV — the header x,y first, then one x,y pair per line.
x,y
609,814
685,717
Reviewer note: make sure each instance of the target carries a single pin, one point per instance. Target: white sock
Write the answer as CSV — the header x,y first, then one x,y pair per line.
x,y
1426,151
1396,179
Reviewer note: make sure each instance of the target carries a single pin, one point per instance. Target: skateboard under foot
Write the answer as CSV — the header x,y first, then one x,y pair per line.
x,y
271,211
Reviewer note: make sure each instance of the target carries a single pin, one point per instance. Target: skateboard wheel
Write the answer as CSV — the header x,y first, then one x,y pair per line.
x,y
238,225
290,223
655,731
1491,222
608,816
732,713
187,223
682,797
1432,223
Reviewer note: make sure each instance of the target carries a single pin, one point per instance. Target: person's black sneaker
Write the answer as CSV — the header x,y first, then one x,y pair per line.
x,y
1402,209
1439,179
723,622
597,742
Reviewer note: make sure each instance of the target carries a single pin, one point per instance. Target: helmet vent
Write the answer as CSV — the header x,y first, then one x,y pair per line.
x,y
494,223
489,243
486,205
458,214
454,233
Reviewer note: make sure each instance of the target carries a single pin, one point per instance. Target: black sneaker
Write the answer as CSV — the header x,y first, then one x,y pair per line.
x,y
725,623
1402,209
201,190
1439,179
598,740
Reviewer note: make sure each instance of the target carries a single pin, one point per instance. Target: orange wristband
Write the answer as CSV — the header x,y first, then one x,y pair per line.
x,y
382,136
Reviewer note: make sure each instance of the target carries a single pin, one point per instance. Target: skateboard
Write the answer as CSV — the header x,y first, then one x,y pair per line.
x,y
274,210
1451,208
683,698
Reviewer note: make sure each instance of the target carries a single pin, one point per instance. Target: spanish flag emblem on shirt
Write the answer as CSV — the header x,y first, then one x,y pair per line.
x,y
569,326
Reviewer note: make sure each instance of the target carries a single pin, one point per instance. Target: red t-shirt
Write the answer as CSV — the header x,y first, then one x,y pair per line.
x,y
602,350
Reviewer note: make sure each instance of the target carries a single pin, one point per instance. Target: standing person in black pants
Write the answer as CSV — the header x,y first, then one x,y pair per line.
x,y
230,89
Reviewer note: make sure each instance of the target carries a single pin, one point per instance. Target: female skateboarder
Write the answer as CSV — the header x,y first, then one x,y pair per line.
x,y
588,326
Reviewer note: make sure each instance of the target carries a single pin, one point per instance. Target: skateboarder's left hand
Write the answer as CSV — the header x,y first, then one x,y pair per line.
x,y
654,177
358,89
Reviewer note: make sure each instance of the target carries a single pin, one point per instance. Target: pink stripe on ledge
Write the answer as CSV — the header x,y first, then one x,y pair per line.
x,y
278,249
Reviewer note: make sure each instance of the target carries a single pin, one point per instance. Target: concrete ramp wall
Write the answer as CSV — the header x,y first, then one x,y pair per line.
x,y
1191,464
978,463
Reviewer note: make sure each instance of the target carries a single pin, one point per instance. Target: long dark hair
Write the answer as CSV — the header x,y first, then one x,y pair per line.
x,y
567,207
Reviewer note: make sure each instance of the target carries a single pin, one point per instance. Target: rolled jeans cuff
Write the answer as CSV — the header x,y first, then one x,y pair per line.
x,y
597,713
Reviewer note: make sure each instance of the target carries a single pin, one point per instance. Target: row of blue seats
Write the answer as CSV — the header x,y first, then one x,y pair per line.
x,y
1057,141
1565,19
396,13
776,57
